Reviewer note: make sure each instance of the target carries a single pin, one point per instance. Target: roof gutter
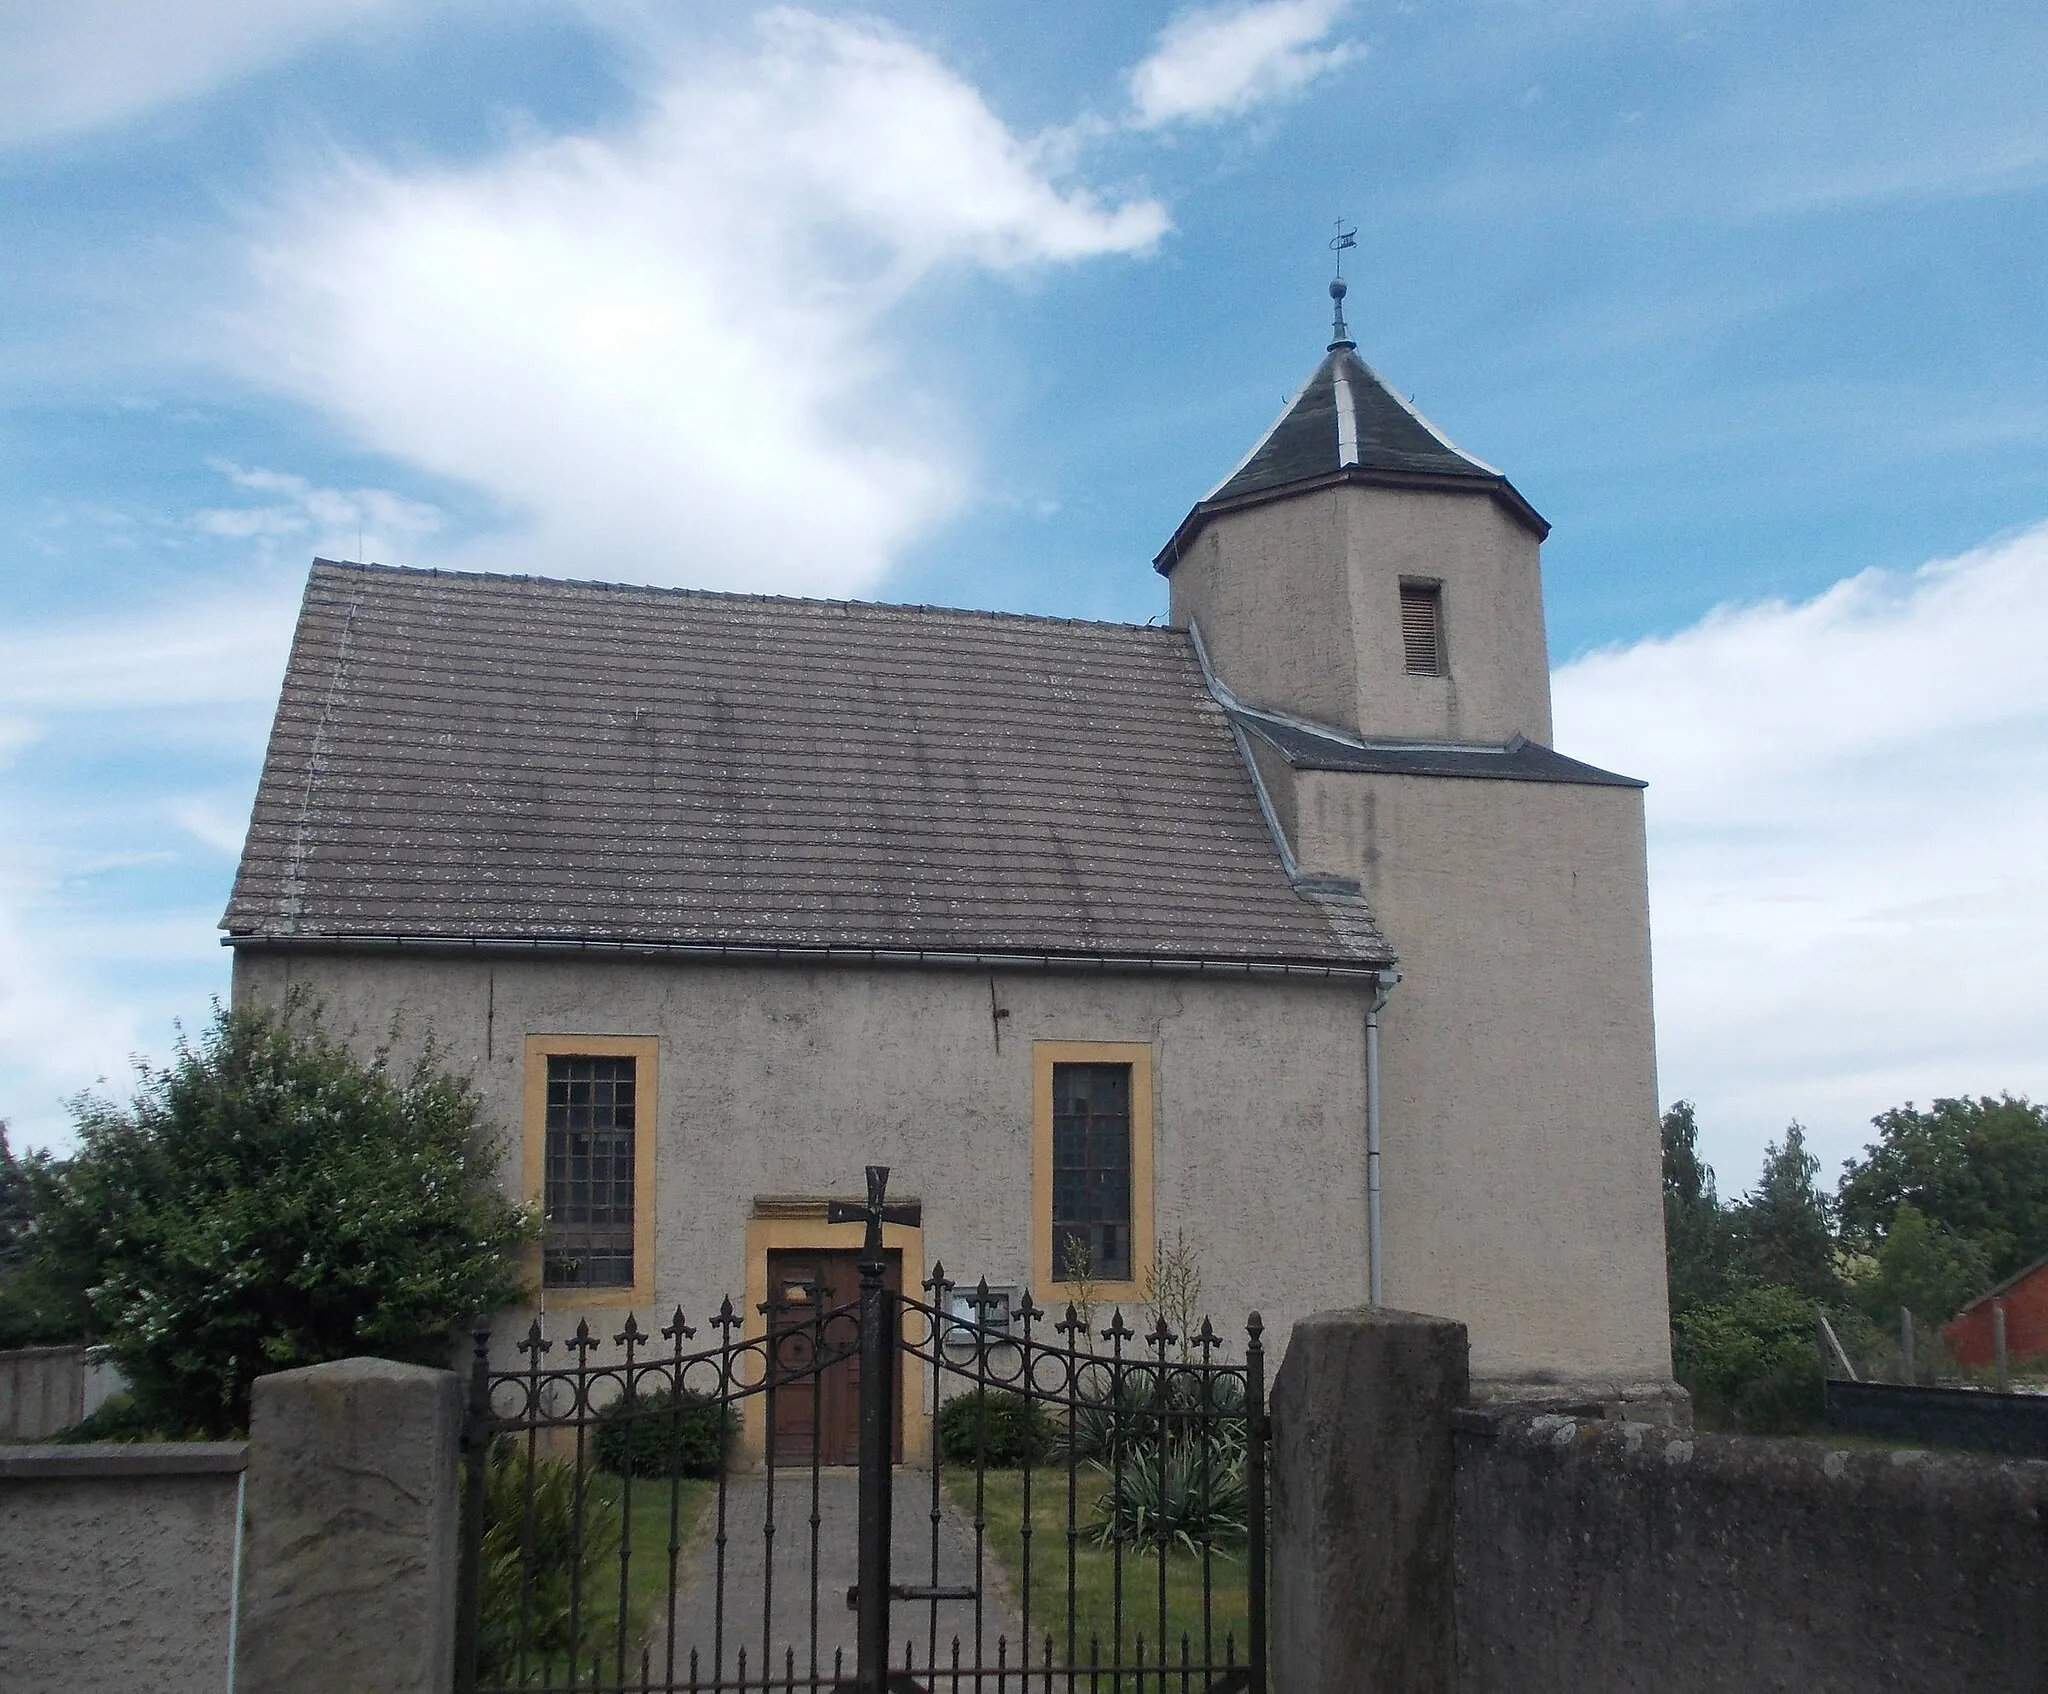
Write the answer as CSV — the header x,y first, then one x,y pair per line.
x,y
445,946
1503,493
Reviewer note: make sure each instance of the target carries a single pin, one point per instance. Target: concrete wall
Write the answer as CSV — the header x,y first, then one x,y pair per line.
x,y
1518,1088
42,1390
116,1567
46,1390
1299,605
1607,1558
787,1081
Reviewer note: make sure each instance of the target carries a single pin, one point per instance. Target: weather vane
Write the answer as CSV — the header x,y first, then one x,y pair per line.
x,y
1342,240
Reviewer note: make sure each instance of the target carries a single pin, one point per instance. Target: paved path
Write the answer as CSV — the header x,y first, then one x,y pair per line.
x,y
789,1624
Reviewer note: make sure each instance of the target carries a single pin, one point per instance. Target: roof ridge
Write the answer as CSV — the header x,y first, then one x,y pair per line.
x,y
439,573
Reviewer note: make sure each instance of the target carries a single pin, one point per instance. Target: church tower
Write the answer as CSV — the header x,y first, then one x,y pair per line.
x,y
1359,570
1367,603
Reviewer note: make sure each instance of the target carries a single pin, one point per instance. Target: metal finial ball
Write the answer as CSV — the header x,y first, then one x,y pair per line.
x,y
1338,288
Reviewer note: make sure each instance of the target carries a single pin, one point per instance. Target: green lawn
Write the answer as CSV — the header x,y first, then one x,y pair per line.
x,y
1095,1575
647,1574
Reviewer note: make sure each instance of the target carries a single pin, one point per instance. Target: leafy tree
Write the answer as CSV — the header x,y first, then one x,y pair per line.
x,y
269,1201
14,1207
1699,1235
1785,1228
34,1310
1976,1168
1751,1362
1926,1268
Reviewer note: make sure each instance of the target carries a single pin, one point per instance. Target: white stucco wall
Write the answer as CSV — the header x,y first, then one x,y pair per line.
x,y
1518,1198
1299,604
781,1080
1519,1089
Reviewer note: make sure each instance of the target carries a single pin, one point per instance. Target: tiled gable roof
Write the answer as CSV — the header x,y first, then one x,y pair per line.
x,y
511,759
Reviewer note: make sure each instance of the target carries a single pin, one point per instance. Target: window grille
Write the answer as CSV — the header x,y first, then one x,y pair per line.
x,y
1422,628
587,1203
1091,1173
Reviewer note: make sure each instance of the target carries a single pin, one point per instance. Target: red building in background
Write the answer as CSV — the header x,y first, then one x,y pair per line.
x,y
2025,1299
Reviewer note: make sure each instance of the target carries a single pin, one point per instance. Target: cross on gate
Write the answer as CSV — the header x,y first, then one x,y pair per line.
x,y
875,1213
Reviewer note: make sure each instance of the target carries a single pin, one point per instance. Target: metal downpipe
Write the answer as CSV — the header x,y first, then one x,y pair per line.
x,y
1383,987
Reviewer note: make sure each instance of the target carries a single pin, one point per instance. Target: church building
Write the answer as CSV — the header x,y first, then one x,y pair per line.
x,y
1279,939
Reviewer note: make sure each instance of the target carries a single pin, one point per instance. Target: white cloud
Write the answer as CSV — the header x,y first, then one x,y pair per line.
x,y
216,822
56,1035
667,350
361,523
95,960
1847,811
73,65
1223,60
221,651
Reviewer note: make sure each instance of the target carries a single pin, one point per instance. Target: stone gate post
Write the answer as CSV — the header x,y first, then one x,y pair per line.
x,y
1363,1586
349,1531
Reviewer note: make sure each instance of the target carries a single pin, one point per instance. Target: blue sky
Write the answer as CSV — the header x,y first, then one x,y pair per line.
x,y
968,303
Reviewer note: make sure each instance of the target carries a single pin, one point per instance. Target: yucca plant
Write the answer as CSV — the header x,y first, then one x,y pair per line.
x,y
537,1560
1179,1492
1144,1409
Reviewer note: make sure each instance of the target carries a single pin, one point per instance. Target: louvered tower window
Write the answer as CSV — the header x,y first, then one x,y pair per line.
x,y
1422,628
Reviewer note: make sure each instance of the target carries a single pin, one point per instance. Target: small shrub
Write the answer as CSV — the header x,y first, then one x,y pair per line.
x,y
1751,1361
118,1418
539,1560
663,1434
1003,1428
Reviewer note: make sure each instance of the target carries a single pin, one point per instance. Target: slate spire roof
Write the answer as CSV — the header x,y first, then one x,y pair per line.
x,y
487,760
1348,424
1345,416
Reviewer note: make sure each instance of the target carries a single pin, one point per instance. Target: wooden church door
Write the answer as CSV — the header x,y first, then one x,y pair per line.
x,y
801,1284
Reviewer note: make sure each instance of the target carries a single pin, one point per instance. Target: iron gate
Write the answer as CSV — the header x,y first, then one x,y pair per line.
x,y
609,1541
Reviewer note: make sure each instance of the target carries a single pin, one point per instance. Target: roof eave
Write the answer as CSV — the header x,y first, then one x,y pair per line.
x,y
1503,492
1195,964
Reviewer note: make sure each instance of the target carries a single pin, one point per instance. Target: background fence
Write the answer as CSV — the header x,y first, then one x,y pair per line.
x,y
1978,1419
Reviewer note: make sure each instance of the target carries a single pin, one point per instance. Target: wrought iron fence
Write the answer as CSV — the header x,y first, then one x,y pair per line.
x,y
1094,1513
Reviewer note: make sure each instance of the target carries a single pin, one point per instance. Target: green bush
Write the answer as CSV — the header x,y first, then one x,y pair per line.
x,y
662,1434
1751,1361
540,1560
995,1425
118,1418
274,1200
